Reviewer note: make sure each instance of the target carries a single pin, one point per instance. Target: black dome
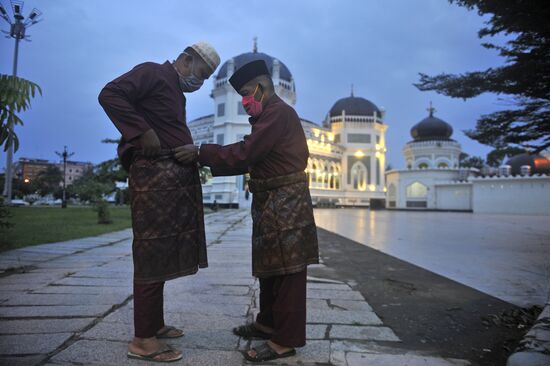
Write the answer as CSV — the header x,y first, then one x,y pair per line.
x,y
431,128
245,58
538,163
354,106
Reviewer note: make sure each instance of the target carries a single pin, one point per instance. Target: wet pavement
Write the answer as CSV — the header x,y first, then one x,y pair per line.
x,y
506,256
70,303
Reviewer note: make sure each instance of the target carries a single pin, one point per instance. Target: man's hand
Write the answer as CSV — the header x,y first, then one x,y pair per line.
x,y
150,143
186,154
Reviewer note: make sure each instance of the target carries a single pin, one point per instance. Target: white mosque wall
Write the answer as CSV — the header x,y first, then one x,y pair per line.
x,y
512,195
441,190
416,188
453,196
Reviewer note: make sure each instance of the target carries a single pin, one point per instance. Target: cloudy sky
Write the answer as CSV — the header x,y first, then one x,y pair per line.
x,y
379,46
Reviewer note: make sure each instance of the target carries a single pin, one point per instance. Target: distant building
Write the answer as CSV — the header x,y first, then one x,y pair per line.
x,y
75,169
28,169
347,151
433,179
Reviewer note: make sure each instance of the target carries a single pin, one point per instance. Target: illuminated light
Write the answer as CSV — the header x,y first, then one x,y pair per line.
x,y
378,154
385,189
359,154
27,180
330,136
315,132
372,187
377,147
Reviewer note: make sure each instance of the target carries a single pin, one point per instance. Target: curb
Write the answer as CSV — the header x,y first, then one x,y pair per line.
x,y
534,348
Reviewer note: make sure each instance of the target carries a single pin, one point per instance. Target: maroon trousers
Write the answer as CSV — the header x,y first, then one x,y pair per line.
x,y
283,308
148,309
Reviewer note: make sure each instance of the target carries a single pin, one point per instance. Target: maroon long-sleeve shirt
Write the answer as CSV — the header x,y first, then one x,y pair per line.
x,y
148,96
276,146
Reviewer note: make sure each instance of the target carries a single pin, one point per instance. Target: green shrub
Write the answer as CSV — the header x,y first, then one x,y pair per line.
x,y
103,214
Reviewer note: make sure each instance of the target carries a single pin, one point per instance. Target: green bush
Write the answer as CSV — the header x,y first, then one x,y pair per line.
x,y
103,214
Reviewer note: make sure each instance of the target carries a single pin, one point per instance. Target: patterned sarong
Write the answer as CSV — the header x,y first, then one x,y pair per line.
x,y
167,219
284,235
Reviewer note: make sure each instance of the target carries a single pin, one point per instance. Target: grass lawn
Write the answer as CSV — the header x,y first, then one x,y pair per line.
x,y
39,225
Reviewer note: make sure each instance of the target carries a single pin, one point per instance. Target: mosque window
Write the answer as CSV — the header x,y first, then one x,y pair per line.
x,y
442,165
417,190
423,166
378,171
337,138
221,109
360,138
219,139
240,109
392,192
359,176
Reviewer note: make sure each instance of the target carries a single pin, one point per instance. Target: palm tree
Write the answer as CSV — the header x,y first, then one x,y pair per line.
x,y
15,96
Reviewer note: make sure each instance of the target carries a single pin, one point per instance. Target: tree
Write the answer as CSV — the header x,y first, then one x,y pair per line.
x,y
88,188
524,77
467,161
48,181
15,96
496,157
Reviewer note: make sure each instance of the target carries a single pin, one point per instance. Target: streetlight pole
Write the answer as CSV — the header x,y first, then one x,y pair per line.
x,y
17,31
65,154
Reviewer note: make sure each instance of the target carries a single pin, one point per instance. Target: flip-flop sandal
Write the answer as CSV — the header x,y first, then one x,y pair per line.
x,y
250,331
266,353
151,357
167,330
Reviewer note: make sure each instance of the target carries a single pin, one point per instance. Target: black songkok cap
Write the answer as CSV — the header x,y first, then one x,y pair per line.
x,y
247,73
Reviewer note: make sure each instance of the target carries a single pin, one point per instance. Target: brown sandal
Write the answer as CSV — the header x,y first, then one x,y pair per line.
x,y
167,330
151,356
266,353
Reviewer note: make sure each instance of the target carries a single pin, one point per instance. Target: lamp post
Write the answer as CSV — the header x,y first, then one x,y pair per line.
x,y
65,154
17,31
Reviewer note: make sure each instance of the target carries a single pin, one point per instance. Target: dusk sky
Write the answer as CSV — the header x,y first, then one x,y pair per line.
x,y
379,46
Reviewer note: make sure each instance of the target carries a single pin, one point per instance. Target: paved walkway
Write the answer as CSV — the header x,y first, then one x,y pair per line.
x,y
506,256
72,305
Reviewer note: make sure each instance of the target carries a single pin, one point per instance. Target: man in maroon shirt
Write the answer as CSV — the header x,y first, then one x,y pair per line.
x,y
284,235
147,105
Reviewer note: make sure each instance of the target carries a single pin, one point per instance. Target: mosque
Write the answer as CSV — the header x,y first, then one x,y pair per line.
x,y
347,153
347,164
434,180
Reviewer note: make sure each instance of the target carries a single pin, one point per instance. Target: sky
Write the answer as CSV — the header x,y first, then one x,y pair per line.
x,y
378,46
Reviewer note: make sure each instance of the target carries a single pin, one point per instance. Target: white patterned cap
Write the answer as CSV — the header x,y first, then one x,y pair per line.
x,y
207,53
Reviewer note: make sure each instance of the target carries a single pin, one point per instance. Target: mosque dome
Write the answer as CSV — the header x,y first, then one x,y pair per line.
x,y
354,106
538,163
431,128
244,58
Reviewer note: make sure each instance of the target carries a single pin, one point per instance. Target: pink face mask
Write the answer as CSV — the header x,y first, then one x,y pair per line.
x,y
252,106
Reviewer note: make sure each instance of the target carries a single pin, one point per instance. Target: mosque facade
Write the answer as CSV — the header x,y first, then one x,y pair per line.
x,y
347,151
348,157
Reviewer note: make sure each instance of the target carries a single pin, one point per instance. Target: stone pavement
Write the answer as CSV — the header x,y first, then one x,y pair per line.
x,y
70,303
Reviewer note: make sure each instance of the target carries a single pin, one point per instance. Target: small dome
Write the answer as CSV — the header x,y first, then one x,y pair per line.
x,y
243,59
431,128
538,163
354,106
